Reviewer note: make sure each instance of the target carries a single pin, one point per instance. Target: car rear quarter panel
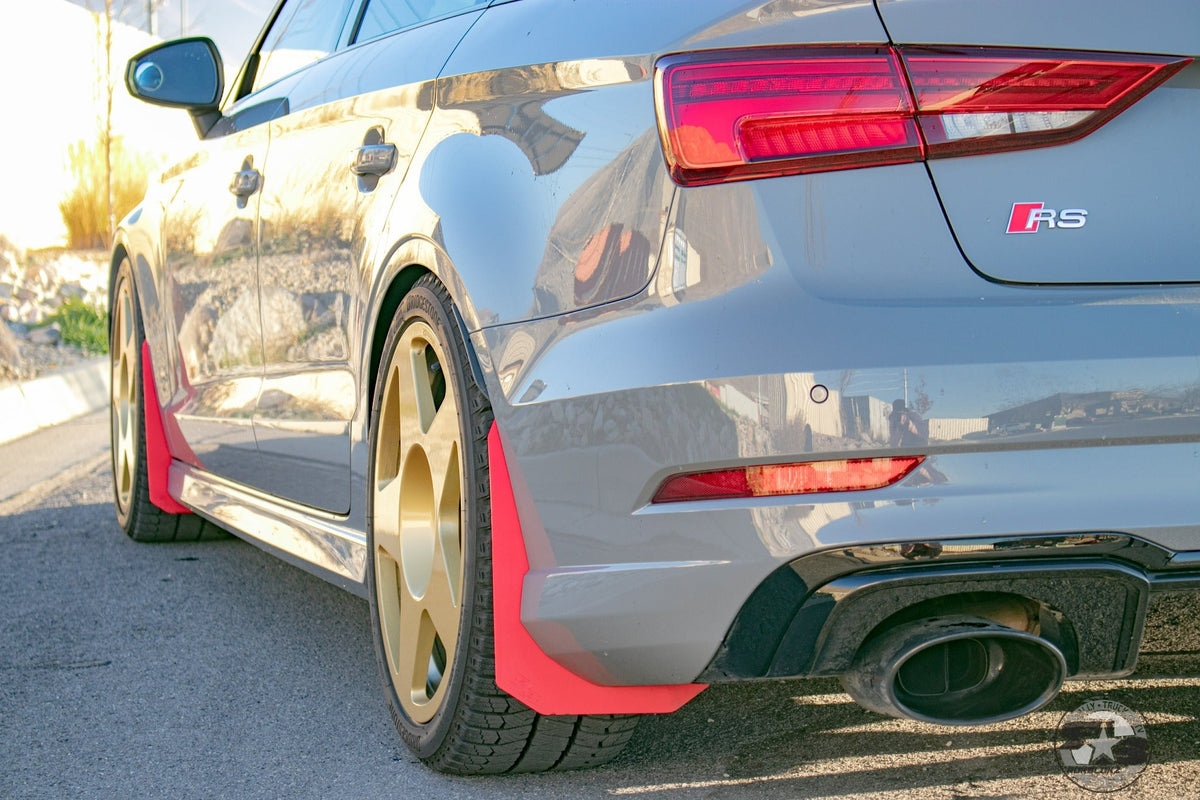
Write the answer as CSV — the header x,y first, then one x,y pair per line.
x,y
542,164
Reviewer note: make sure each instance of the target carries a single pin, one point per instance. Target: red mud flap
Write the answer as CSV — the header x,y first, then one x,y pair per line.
x,y
158,454
522,669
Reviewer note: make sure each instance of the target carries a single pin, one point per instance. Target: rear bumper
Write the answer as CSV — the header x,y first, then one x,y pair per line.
x,y
698,591
778,328
810,617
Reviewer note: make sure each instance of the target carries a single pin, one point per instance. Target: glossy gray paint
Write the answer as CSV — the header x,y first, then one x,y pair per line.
x,y
1164,26
996,358
1129,177
693,340
318,223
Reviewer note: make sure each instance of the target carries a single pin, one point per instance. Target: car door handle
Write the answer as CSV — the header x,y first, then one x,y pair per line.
x,y
246,182
373,159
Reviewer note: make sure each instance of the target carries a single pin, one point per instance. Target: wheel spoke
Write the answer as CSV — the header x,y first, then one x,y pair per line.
x,y
128,458
422,383
412,389
387,518
449,521
443,610
441,442
409,652
128,341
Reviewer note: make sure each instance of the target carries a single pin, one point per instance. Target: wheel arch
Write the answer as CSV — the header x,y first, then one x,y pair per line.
x,y
119,253
406,264
135,244
396,289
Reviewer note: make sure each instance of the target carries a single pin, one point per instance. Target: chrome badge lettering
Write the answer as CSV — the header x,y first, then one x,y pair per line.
x,y
1029,217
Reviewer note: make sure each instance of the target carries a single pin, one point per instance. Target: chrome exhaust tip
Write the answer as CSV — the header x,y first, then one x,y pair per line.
x,y
955,670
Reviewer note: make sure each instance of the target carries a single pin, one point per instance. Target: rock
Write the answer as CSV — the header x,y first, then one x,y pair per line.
x,y
30,313
49,335
11,363
71,290
10,256
47,276
19,329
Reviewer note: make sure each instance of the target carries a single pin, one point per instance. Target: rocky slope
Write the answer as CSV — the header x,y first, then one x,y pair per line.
x,y
32,286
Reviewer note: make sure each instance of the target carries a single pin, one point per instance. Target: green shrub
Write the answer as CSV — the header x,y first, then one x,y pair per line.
x,y
82,325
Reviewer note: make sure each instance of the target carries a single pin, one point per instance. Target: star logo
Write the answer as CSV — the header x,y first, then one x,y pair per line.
x,y
1102,745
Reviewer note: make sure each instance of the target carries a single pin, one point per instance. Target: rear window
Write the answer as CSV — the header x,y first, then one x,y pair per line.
x,y
305,31
385,16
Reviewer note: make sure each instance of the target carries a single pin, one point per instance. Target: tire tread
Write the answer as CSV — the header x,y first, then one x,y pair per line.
x,y
493,732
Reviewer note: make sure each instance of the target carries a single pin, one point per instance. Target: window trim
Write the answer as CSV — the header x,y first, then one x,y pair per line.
x,y
243,86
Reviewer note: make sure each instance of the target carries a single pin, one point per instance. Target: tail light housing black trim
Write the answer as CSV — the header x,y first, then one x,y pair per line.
x,y
740,114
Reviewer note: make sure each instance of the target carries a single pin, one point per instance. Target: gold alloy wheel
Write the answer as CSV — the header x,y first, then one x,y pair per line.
x,y
417,524
124,416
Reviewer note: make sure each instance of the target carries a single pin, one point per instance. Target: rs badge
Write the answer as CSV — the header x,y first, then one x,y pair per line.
x,y
1028,218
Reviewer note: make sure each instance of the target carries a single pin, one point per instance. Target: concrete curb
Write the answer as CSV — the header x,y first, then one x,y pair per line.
x,y
53,398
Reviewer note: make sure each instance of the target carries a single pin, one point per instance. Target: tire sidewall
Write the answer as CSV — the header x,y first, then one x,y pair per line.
x,y
422,304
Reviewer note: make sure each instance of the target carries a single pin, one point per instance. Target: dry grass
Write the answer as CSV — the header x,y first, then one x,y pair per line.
x,y
85,208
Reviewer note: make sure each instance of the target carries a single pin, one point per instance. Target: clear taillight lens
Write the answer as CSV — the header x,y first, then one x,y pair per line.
x,y
731,115
984,101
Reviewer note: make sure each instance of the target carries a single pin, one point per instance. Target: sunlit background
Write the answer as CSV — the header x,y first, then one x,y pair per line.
x,y
52,57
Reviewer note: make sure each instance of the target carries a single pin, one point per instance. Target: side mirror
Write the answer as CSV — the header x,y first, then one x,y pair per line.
x,y
185,73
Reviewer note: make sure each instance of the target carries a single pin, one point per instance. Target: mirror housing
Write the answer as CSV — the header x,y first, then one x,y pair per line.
x,y
184,73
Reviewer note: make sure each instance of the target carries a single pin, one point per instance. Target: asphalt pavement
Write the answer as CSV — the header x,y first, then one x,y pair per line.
x,y
212,670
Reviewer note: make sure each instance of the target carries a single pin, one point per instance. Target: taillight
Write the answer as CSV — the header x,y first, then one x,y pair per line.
x,y
771,112
985,101
768,480
731,115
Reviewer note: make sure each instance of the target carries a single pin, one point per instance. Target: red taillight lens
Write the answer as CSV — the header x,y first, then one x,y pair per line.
x,y
746,114
772,112
812,477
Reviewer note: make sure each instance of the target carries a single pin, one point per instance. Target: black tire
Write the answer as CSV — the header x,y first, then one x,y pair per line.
x,y
141,520
459,722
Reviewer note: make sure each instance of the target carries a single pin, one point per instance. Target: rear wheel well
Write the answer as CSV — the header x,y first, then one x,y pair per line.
x,y
396,291
119,254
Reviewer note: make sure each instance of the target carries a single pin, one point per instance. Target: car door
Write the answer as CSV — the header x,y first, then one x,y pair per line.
x,y
334,166
211,249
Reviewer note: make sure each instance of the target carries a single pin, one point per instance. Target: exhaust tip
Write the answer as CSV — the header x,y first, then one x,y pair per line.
x,y
955,670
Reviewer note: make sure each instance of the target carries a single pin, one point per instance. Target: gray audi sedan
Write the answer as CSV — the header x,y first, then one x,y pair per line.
x,y
613,348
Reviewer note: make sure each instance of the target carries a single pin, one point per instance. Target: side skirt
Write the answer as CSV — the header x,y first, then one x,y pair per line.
x,y
325,547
